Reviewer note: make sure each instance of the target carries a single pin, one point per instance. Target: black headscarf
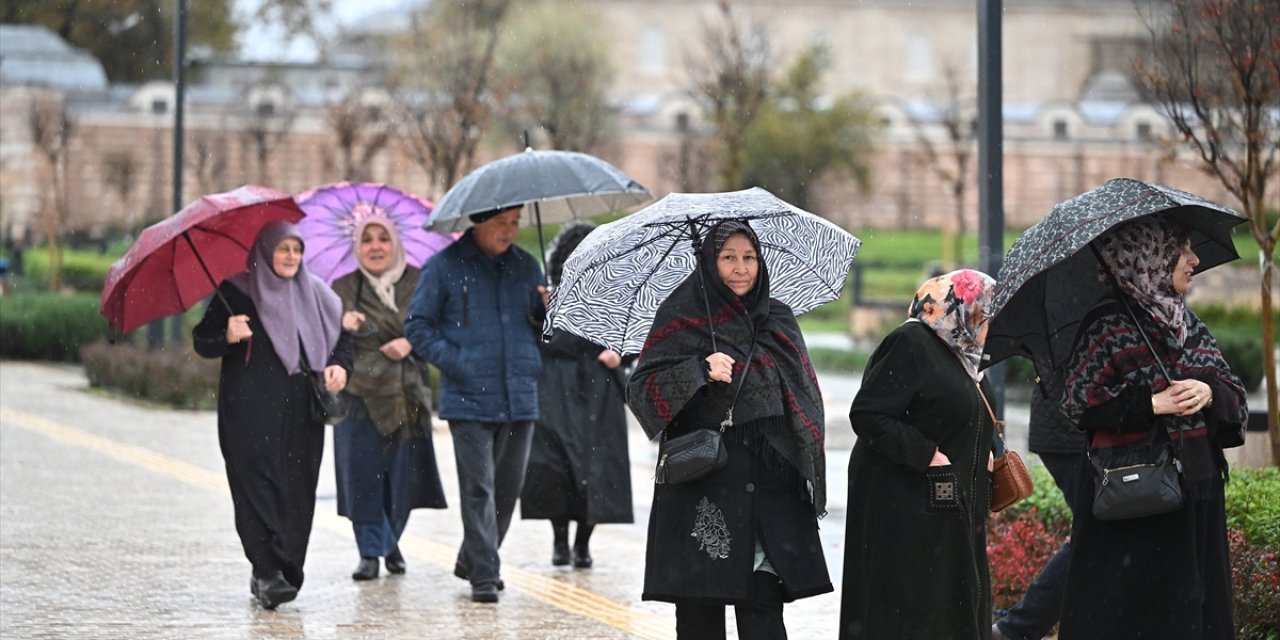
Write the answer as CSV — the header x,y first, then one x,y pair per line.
x,y
780,388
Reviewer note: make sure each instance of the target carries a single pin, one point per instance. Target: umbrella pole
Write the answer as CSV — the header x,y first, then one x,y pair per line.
x,y
216,292
542,247
702,282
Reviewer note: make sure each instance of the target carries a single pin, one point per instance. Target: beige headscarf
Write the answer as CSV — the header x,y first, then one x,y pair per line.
x,y
384,285
955,305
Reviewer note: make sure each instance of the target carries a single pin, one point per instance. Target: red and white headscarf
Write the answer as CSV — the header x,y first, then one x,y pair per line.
x,y
955,305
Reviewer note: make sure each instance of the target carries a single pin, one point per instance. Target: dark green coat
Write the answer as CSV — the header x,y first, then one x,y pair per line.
x,y
915,568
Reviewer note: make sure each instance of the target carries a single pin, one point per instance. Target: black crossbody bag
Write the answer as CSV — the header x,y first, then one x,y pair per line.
x,y
702,451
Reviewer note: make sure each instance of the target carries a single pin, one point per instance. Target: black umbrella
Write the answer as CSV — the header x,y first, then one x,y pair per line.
x,y
1052,257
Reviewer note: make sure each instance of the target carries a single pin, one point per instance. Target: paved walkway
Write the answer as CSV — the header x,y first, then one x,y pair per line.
x,y
115,522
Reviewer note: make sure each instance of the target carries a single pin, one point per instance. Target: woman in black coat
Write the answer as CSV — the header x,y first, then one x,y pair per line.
x,y
579,468
1166,575
915,563
280,317
384,458
747,534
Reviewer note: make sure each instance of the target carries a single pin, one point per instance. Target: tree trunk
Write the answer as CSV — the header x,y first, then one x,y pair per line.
x,y
1269,360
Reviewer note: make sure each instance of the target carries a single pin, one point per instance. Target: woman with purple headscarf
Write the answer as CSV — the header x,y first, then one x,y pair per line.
x,y
283,325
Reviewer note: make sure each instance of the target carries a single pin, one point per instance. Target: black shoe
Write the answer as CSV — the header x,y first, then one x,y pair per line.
x,y
487,592
560,554
394,561
273,590
462,573
366,570
581,558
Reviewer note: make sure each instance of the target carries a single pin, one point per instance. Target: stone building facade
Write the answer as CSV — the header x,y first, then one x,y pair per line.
x,y
1071,118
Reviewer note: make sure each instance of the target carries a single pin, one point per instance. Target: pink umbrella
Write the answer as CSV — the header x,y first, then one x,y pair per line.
x,y
181,259
334,210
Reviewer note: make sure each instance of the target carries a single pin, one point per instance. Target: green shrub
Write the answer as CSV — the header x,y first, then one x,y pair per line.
x,y
80,269
1046,499
838,360
1255,588
176,377
48,326
1253,505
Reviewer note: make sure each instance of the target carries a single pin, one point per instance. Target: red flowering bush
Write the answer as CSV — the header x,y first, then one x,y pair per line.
x,y
1255,583
1018,546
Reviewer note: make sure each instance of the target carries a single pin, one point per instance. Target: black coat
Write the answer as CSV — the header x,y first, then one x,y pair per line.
x,y
271,447
579,467
915,568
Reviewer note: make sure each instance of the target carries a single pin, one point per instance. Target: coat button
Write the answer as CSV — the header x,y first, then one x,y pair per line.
x,y
751,487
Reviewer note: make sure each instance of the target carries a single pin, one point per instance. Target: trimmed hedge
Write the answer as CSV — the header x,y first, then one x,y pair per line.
x,y
176,377
80,269
49,326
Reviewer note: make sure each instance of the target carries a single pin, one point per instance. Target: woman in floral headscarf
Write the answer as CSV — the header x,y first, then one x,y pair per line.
x,y
915,543
1166,575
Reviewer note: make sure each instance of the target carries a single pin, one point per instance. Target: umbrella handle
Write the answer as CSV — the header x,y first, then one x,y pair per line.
x,y
216,290
542,247
1124,300
702,283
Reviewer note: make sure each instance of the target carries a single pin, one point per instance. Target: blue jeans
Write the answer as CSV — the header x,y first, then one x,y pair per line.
x,y
1040,607
491,459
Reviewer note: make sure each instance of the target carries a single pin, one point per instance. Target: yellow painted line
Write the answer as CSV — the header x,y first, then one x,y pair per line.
x,y
556,593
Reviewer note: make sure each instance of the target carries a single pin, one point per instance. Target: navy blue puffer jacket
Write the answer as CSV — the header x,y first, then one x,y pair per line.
x,y
478,321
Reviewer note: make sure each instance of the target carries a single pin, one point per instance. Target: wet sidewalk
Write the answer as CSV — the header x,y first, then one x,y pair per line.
x,y
115,522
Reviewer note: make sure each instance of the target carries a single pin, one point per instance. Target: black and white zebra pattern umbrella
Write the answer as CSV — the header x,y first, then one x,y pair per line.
x,y
615,280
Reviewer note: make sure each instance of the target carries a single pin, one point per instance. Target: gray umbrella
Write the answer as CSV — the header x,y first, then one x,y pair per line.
x,y
613,283
553,186
1052,257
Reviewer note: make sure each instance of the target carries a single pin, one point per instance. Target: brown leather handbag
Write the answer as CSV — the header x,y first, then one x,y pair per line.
x,y
1010,479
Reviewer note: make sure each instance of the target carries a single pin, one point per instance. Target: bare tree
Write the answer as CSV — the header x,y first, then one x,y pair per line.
x,y
449,102
951,163
691,164
207,159
362,130
266,125
555,72
51,129
731,78
120,171
1215,70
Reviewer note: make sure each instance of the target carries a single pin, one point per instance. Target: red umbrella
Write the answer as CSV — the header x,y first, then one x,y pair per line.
x,y
178,261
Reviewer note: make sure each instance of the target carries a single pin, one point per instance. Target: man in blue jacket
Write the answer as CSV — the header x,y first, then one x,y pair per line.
x,y
476,315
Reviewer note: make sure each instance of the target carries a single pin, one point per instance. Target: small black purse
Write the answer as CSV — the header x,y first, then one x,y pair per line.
x,y
323,407
1136,490
702,451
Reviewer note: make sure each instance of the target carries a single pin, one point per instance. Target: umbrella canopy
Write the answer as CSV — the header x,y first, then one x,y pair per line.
x,y
615,280
552,186
181,259
334,210
1050,279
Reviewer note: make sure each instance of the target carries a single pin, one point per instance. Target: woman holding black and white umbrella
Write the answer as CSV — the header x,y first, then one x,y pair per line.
x,y
1165,575
747,534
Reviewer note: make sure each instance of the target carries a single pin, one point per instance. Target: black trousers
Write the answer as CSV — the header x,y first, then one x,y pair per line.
x,y
758,619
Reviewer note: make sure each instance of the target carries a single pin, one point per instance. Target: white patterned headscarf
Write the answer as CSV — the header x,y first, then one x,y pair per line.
x,y
955,305
384,284
1142,254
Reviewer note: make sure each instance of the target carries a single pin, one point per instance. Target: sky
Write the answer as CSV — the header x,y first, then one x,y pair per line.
x,y
262,43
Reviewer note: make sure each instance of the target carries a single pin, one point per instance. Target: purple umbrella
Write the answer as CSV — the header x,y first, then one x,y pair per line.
x,y
334,210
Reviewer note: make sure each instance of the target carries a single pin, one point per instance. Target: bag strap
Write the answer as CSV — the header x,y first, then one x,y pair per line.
x,y
998,431
728,414
1124,301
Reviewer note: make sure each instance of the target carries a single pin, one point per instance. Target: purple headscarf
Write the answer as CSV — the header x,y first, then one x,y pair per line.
x,y
298,310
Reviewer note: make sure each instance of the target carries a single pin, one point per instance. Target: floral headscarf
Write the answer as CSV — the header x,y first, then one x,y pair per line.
x,y
384,285
955,305
1142,255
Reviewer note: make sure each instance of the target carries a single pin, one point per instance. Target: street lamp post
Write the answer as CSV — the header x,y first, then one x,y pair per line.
x,y
990,157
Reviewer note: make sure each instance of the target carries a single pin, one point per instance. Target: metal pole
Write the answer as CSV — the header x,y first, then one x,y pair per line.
x,y
990,157
179,129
